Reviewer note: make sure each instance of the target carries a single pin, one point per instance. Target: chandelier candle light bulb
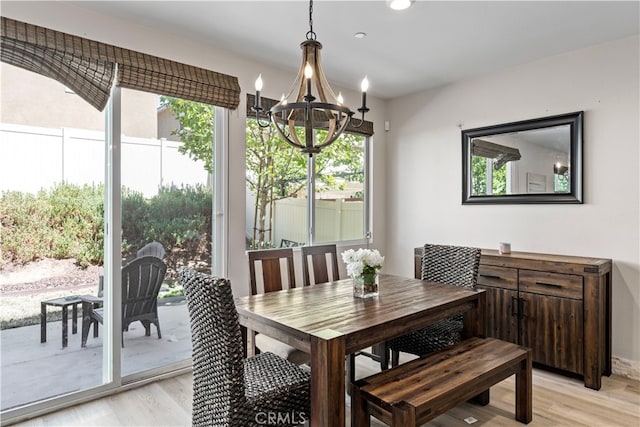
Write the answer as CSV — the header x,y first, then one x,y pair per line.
x,y
363,266
364,86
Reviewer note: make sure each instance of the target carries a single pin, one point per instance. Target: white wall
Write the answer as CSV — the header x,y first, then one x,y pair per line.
x,y
76,20
424,173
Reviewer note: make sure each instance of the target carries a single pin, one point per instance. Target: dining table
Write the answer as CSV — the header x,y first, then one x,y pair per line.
x,y
329,322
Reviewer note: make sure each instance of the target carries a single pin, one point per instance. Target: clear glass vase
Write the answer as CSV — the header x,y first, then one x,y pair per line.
x,y
365,286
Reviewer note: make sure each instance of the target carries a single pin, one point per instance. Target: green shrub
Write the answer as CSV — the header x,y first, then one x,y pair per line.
x,y
135,215
21,218
67,222
180,219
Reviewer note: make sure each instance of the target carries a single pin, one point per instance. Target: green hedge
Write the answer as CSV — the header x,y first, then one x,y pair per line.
x,y
67,222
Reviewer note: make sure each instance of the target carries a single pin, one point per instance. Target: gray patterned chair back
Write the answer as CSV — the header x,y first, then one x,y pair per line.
x,y
455,265
218,367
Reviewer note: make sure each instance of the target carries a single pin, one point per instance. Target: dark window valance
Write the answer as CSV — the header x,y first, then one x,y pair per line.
x,y
87,67
366,129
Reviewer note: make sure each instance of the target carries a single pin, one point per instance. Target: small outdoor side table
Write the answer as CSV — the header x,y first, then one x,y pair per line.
x,y
63,302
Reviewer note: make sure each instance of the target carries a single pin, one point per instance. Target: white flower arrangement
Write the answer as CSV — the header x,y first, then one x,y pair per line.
x,y
363,262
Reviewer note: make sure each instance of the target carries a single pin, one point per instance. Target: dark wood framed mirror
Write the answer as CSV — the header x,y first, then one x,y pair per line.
x,y
531,161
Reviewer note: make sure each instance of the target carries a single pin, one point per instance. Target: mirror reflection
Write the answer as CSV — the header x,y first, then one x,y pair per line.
x,y
533,161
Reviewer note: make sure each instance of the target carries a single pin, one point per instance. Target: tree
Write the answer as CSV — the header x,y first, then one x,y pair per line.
x,y
479,177
275,170
196,128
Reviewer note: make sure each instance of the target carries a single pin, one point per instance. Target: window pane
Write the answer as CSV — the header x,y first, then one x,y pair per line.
x,y
340,177
167,161
276,190
51,244
277,204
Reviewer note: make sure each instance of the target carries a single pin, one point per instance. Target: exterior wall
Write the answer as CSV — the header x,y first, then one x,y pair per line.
x,y
41,101
167,123
424,177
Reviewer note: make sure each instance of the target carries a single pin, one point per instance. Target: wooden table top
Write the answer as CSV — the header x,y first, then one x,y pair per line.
x,y
330,310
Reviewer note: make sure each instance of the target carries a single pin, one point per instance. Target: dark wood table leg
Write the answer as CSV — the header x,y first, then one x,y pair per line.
x,y
74,321
328,380
65,317
43,322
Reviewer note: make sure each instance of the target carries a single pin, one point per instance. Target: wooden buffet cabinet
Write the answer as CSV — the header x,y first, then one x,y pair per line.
x,y
559,306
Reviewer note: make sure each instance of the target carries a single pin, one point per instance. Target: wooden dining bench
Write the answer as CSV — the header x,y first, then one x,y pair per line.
x,y
415,392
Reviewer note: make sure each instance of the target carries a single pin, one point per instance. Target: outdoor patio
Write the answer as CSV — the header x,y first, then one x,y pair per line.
x,y
32,371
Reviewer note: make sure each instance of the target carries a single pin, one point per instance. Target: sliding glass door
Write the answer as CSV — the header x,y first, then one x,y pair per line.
x,y
52,169
85,194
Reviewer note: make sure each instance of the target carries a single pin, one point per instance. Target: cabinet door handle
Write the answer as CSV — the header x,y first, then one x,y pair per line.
x,y
488,276
551,285
514,306
521,307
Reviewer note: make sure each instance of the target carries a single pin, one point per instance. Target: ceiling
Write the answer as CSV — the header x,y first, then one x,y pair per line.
x,y
430,44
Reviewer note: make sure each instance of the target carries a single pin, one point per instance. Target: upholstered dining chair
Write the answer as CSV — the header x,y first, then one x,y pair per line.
x,y
229,390
455,265
272,270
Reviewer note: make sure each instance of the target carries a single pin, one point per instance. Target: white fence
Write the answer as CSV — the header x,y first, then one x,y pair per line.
x,y
34,158
336,220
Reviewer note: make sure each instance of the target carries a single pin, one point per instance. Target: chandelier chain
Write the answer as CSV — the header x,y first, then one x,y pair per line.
x,y
311,35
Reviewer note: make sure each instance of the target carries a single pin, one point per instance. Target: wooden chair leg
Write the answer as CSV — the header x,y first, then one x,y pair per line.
x,y
481,399
251,343
395,358
382,351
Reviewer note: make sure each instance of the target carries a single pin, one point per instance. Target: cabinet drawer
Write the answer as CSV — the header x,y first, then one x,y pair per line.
x,y
500,277
559,285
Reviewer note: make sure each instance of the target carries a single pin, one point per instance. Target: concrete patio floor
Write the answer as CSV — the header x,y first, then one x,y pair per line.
x,y
31,371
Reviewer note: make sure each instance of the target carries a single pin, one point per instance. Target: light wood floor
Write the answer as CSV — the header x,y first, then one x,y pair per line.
x,y
557,401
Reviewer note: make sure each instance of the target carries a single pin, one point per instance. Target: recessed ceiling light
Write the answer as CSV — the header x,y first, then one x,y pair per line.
x,y
399,4
360,35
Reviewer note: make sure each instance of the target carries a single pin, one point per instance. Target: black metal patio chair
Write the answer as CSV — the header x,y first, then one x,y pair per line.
x,y
141,282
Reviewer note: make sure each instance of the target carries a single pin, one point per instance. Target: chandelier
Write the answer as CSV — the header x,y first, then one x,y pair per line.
x,y
314,106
